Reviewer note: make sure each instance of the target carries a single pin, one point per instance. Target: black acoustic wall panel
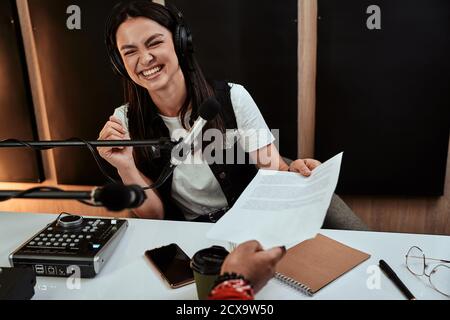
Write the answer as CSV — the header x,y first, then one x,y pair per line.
x,y
383,96
16,109
249,42
254,43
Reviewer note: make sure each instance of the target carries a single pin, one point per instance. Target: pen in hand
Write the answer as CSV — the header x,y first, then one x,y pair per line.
x,y
391,275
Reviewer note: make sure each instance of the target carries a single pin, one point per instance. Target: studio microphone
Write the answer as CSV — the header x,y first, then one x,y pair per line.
x,y
115,197
207,112
118,197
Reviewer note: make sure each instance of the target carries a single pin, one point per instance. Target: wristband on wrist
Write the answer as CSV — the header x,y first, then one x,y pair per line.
x,y
228,276
231,286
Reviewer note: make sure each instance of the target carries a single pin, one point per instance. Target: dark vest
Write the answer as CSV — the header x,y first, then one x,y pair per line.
x,y
233,178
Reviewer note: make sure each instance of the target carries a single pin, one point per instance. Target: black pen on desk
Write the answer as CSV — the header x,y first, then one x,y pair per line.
x,y
391,275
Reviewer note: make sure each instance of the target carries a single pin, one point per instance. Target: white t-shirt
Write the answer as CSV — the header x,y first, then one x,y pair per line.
x,y
195,188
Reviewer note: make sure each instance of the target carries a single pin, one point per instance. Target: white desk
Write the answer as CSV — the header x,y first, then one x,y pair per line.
x,y
129,276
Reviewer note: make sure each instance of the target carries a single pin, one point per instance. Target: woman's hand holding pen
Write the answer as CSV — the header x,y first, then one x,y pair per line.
x,y
120,157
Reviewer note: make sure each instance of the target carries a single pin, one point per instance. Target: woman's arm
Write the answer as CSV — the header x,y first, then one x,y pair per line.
x,y
269,158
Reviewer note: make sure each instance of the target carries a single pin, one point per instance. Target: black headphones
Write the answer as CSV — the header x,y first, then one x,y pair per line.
x,y
182,38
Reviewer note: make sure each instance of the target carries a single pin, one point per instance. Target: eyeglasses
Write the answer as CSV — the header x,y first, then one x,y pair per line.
x,y
439,277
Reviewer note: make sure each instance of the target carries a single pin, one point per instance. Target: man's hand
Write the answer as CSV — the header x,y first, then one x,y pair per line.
x,y
256,265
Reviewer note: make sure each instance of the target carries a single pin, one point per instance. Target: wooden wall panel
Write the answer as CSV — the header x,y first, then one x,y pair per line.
x,y
79,88
37,90
307,60
16,105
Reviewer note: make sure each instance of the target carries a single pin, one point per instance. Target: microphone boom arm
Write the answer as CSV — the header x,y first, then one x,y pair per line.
x,y
162,143
48,195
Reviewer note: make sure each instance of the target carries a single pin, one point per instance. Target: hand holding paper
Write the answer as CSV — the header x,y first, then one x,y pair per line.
x,y
280,208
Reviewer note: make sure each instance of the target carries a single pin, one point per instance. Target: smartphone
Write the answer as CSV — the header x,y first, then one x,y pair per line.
x,y
173,264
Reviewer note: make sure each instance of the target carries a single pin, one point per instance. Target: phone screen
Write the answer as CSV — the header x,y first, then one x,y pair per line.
x,y
173,264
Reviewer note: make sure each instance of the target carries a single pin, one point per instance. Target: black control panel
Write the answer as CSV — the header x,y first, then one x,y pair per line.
x,y
71,245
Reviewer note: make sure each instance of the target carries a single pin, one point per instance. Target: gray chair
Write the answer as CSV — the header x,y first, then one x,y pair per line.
x,y
340,216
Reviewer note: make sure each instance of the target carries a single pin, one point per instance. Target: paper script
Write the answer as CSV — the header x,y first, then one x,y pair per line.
x,y
280,208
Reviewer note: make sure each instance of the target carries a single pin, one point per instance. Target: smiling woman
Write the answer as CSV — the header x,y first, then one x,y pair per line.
x,y
151,47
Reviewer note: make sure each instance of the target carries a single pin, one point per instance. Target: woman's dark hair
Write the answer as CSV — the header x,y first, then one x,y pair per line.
x,y
138,99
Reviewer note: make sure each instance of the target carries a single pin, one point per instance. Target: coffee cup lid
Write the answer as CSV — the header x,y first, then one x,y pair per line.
x,y
209,261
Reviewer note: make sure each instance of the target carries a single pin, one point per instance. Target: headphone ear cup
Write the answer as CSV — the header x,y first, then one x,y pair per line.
x,y
186,40
114,57
177,42
183,41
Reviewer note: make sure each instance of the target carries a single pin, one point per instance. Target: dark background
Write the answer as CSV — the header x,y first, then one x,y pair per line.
x,y
383,96
16,108
250,42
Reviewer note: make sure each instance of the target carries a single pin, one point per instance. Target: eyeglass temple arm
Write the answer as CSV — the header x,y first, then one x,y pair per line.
x,y
445,261
426,258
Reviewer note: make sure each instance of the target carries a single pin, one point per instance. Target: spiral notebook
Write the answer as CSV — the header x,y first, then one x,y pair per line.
x,y
314,263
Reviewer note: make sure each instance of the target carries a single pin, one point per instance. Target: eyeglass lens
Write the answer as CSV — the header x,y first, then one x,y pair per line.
x,y
415,261
440,279
439,274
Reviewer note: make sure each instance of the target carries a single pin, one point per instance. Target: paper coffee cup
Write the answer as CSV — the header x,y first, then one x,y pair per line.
x,y
206,265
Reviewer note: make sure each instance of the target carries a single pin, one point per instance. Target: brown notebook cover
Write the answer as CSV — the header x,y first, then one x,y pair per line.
x,y
314,263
